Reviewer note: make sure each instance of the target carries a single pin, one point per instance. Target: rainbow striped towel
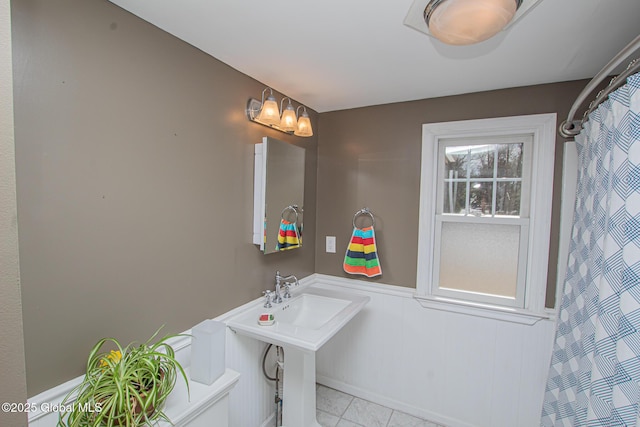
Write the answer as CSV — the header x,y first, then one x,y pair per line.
x,y
288,236
362,256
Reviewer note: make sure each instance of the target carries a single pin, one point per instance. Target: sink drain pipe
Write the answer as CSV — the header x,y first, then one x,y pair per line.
x,y
278,378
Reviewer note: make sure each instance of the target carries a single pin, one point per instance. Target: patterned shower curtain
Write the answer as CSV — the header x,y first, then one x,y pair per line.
x,y
594,378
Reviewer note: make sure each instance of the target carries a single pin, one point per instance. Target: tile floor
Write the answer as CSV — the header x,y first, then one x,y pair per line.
x,y
337,409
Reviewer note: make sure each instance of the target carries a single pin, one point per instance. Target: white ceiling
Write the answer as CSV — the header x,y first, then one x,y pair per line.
x,y
339,54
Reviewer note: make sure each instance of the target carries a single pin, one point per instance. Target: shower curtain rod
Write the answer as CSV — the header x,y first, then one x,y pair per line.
x,y
571,127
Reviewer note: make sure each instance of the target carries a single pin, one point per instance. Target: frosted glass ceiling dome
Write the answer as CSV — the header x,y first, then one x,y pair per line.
x,y
463,22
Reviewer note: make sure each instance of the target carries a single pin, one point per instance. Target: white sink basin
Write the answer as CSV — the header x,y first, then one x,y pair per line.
x,y
302,325
310,311
307,320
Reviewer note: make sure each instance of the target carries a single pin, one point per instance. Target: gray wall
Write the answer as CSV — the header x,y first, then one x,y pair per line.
x,y
12,370
134,182
371,157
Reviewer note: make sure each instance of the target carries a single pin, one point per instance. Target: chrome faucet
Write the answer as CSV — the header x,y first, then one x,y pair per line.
x,y
267,298
283,282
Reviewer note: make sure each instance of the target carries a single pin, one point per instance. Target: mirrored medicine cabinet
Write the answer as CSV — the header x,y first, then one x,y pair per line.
x,y
278,195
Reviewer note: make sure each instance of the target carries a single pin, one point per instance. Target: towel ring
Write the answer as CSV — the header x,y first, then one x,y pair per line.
x,y
364,211
293,208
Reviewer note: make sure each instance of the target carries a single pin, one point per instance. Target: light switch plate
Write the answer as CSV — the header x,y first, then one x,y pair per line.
x,y
331,244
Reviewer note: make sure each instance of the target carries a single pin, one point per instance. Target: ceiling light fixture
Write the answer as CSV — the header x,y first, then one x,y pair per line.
x,y
267,113
465,22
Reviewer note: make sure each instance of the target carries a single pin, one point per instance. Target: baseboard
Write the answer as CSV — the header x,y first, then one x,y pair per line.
x,y
391,403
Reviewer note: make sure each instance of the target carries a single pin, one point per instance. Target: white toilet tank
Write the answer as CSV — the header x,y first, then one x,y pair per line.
x,y
207,407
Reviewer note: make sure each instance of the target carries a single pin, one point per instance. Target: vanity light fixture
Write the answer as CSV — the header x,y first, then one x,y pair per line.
x,y
304,123
267,113
465,22
289,121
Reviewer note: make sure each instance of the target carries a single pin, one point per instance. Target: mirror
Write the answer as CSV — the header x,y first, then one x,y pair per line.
x,y
278,195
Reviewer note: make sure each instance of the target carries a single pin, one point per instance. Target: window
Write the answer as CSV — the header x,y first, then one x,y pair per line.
x,y
485,214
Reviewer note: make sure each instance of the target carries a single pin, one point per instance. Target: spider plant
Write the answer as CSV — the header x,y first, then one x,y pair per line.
x,y
127,386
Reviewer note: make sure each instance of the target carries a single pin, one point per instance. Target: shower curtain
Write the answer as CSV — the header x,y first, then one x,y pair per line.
x,y
594,377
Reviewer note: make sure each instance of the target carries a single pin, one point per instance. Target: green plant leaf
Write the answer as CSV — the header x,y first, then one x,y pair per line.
x,y
130,391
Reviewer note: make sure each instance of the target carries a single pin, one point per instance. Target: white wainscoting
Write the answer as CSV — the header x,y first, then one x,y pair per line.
x,y
252,401
455,369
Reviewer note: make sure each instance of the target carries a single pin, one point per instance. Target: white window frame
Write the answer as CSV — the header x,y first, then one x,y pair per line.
x,y
521,221
531,306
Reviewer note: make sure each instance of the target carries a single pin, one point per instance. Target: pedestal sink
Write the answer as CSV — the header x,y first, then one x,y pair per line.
x,y
302,325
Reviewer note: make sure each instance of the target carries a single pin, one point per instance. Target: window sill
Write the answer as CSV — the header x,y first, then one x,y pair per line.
x,y
506,314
